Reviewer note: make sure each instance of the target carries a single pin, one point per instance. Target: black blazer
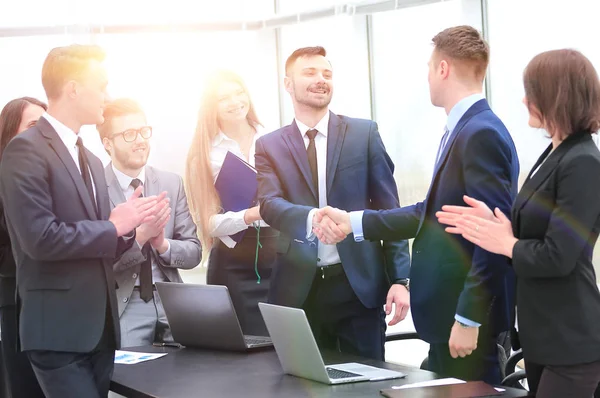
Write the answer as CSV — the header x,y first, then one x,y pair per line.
x,y
557,218
7,265
64,251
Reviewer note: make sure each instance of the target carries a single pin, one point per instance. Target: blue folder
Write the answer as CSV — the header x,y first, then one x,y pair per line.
x,y
236,185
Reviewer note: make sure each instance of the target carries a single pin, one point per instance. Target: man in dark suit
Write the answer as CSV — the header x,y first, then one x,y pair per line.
x,y
65,238
461,295
164,244
324,158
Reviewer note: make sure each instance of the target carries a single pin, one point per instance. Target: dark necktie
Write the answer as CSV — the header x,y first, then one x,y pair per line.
x,y
443,143
85,172
146,266
311,150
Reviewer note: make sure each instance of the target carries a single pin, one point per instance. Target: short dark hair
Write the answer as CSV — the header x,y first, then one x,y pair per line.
x,y
66,63
563,86
11,116
466,45
114,109
303,52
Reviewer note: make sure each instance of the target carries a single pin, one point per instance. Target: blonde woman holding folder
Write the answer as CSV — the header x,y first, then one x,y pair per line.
x,y
241,245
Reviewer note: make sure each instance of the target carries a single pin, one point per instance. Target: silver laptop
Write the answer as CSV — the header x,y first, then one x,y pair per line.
x,y
300,356
203,316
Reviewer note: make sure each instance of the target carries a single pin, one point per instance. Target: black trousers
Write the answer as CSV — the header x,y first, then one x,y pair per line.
x,y
20,379
77,375
563,381
482,364
338,319
234,268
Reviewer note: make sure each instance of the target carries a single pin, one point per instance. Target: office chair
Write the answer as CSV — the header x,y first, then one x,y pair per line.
x,y
507,364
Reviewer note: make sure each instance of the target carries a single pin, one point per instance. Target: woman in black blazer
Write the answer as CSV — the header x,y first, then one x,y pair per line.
x,y
17,115
555,225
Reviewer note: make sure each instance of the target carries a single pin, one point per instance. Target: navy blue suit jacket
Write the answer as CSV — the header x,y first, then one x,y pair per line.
x,y
450,275
359,175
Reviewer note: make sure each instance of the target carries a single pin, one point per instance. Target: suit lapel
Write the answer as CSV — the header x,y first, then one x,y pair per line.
x,y
115,194
335,139
552,160
476,108
294,141
63,154
99,180
151,186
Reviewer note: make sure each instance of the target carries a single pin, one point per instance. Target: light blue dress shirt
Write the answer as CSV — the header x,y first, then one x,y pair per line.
x,y
456,113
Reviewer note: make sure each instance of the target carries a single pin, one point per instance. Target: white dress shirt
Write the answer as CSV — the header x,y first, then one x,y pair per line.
x,y
69,138
230,223
125,184
326,254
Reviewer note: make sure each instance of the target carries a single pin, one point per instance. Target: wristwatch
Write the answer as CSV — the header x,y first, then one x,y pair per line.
x,y
404,282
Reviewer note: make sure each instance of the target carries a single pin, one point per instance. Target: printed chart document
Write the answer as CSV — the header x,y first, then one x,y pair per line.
x,y
131,358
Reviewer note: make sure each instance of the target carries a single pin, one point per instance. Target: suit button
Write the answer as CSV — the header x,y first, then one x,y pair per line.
x,y
134,276
126,299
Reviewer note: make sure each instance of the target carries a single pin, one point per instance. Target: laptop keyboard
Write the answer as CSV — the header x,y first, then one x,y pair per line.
x,y
340,374
254,340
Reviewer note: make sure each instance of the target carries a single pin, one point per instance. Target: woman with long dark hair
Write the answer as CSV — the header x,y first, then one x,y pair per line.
x,y
18,115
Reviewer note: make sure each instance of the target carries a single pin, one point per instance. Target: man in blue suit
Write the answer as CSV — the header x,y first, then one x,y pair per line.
x,y
461,295
320,159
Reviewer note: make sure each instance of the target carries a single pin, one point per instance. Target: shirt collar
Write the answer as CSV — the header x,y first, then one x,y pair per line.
x,y
124,180
66,135
220,137
321,127
459,110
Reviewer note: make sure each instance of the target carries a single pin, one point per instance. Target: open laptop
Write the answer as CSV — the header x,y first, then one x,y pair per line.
x,y
300,356
203,316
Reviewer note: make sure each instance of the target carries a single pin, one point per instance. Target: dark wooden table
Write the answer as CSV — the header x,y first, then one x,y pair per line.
x,y
188,372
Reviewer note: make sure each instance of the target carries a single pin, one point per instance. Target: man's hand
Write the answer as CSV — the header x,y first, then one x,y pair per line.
x,y
158,242
155,226
331,225
463,340
400,297
129,215
252,214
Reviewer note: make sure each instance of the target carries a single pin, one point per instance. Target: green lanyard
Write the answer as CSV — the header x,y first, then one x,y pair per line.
x,y
258,246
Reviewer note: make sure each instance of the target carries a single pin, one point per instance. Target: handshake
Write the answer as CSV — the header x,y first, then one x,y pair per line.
x,y
331,225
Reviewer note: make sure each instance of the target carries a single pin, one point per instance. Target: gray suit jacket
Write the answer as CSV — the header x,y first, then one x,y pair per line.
x,y
63,248
186,252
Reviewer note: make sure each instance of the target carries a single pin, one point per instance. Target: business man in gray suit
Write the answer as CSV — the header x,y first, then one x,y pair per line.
x,y
165,244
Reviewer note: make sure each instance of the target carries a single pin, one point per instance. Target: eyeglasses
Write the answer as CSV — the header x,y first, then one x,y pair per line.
x,y
130,135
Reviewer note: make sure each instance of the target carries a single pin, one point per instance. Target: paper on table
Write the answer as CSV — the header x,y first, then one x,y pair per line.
x,y
131,358
438,382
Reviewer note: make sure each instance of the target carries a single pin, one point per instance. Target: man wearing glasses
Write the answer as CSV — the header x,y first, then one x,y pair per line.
x,y
166,243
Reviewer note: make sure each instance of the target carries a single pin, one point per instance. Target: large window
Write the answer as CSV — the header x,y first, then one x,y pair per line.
x,y
346,45
410,126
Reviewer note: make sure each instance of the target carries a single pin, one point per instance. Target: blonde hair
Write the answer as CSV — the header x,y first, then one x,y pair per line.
x,y
202,196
